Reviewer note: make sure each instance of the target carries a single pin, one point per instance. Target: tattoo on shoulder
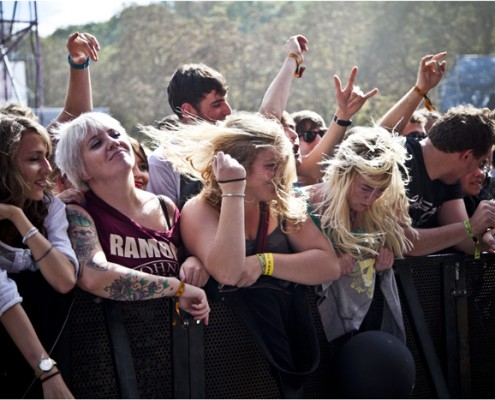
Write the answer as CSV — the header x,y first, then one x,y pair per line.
x,y
132,287
83,237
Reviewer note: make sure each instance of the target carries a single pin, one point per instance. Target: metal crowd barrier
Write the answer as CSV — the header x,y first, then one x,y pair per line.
x,y
134,350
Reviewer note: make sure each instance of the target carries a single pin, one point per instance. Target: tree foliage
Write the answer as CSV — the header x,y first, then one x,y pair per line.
x,y
143,46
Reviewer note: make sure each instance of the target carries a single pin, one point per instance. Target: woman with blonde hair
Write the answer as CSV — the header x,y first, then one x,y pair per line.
x,y
362,208
254,236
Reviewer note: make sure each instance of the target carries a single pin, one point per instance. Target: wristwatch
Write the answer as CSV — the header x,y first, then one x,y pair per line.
x,y
45,365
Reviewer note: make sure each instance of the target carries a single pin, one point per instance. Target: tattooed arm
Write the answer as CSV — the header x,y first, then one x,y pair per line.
x,y
117,282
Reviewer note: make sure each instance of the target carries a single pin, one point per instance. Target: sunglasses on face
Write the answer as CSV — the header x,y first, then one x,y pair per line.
x,y
310,136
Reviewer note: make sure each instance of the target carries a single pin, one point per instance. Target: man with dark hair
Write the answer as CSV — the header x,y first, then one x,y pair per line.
x,y
458,143
198,91
195,92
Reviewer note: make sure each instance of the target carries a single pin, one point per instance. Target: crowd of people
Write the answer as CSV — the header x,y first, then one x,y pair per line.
x,y
254,205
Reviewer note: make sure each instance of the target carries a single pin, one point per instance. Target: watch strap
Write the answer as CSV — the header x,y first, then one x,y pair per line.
x,y
341,122
38,371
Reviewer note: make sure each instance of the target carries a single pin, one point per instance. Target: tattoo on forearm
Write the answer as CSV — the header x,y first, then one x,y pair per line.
x,y
133,287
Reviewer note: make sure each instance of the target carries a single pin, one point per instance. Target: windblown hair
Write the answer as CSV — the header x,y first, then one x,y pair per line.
x,y
14,189
70,138
379,157
243,136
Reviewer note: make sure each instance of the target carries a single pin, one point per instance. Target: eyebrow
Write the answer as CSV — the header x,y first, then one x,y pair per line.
x,y
218,101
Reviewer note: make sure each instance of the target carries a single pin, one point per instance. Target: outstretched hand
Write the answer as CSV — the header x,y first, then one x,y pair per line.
x,y
81,46
351,98
430,72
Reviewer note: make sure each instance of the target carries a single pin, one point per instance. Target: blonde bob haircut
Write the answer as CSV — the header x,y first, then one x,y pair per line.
x,y
379,157
70,138
243,136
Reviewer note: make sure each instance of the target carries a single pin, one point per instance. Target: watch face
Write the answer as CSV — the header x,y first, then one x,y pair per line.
x,y
46,364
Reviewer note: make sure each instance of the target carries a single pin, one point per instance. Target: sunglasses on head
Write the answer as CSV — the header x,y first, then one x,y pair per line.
x,y
310,136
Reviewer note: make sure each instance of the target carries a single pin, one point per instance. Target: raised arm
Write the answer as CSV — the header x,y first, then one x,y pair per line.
x,y
82,48
430,72
277,94
218,239
349,102
117,282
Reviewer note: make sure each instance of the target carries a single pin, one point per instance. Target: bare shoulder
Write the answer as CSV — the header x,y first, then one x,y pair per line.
x,y
315,193
197,204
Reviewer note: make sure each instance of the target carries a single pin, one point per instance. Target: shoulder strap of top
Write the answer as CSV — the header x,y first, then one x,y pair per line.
x,y
165,211
262,235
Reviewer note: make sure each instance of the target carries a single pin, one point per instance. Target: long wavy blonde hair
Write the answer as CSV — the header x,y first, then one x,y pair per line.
x,y
191,148
379,157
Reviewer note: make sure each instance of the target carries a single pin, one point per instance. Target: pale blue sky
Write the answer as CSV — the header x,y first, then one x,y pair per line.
x,y
54,14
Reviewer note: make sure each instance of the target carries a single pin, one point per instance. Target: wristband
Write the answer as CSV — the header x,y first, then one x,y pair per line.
x,y
44,254
267,263
270,264
428,104
300,68
232,180
33,231
477,247
341,122
233,195
78,66
180,290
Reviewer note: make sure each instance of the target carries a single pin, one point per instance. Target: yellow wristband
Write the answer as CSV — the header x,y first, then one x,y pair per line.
x,y
270,264
477,247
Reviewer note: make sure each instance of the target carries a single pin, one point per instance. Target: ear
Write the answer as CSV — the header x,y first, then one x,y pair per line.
x,y
188,110
466,155
83,175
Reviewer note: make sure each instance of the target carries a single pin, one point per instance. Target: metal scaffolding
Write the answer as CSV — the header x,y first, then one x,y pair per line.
x,y
20,51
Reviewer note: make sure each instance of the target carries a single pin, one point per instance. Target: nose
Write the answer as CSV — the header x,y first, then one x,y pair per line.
x,y
372,197
227,110
138,175
291,134
46,167
480,171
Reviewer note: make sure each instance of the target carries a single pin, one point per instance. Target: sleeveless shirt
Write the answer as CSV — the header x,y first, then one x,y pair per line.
x,y
132,245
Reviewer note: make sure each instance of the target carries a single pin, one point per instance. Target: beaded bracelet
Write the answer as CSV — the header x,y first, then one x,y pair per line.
x,y
33,231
